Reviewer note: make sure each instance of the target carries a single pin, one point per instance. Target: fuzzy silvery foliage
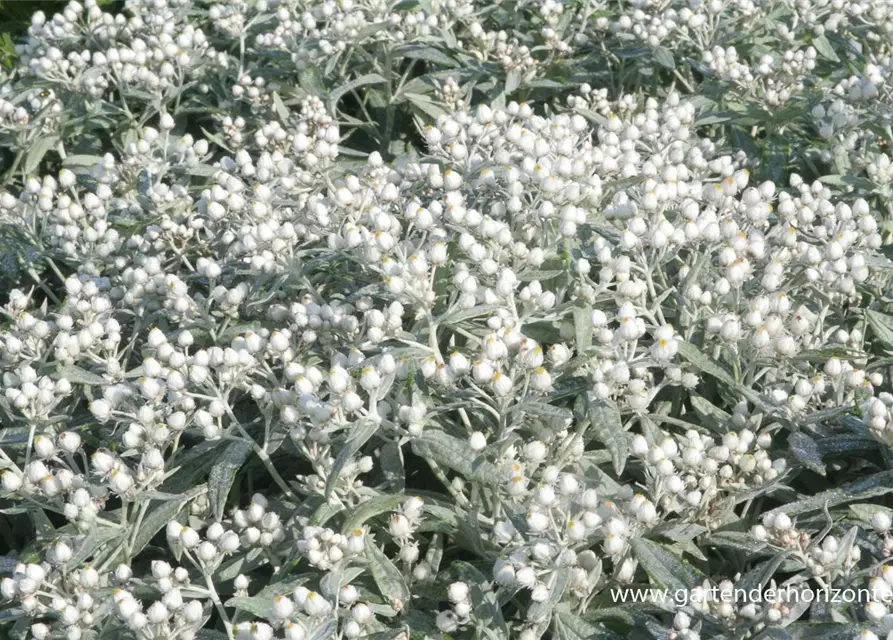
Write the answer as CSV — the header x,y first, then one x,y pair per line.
x,y
448,320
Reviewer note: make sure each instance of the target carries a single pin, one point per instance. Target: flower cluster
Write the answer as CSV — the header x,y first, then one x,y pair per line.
x,y
365,320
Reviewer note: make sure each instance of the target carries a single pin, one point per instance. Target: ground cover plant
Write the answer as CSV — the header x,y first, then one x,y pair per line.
x,y
447,319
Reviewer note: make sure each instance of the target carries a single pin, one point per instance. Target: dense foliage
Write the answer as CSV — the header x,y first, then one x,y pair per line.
x,y
448,319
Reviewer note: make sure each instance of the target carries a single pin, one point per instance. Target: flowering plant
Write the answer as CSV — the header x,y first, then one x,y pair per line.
x,y
448,320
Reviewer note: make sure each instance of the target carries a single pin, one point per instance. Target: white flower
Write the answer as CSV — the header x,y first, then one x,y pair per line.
x,y
412,508
295,631
665,345
875,611
477,441
283,607
206,551
156,338
43,447
576,530
459,364
400,526
504,573
193,611
559,354
525,577
241,583
361,613
881,521
101,410
102,461
457,592
446,622
568,484
316,605
483,371
538,522
833,367
541,380
120,480
69,441
370,379
348,594
502,384
12,482
614,545
61,553
157,613
535,451
126,605
545,496
189,537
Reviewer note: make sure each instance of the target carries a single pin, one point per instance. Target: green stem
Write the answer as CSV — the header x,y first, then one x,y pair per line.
x,y
390,108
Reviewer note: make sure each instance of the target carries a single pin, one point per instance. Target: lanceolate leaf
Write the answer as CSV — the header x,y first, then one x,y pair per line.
x,y
608,429
363,80
583,328
807,451
664,567
664,57
77,375
37,152
542,611
158,518
759,576
370,509
706,365
359,436
387,576
455,454
874,485
882,325
224,472
571,627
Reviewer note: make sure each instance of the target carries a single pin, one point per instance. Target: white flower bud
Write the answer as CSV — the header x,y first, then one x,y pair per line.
x,y
11,481
361,613
348,594
61,553
457,592
206,551
477,441
69,441
101,409
43,447
782,522
881,521
399,526
157,613
316,605
282,608
189,537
